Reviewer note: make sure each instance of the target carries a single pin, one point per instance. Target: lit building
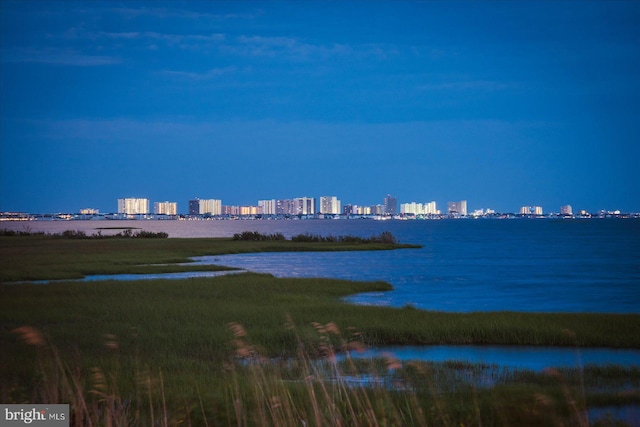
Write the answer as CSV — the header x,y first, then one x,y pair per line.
x,y
165,208
211,206
528,210
131,206
566,210
284,207
390,205
419,208
268,206
89,211
457,208
205,207
410,208
241,210
250,210
430,208
297,206
304,206
329,205
361,210
376,210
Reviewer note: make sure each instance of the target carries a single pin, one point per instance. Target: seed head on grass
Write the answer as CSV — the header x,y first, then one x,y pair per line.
x,y
30,336
332,328
392,362
553,373
99,382
237,329
111,342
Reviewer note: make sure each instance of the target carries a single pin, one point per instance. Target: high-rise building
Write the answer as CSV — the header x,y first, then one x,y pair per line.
x,y
268,206
241,210
284,207
211,207
304,206
566,210
194,207
205,207
531,210
165,208
362,210
412,208
390,205
132,206
457,208
419,208
329,205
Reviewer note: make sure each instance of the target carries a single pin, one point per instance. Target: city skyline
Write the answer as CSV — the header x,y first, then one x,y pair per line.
x,y
331,205
198,206
214,206
503,104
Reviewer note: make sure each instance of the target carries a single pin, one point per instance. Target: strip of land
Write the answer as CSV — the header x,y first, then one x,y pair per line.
x,y
40,257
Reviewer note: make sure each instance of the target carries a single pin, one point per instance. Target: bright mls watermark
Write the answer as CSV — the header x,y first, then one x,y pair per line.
x,y
37,415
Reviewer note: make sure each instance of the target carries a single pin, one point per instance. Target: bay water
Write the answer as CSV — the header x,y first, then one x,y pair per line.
x,y
464,265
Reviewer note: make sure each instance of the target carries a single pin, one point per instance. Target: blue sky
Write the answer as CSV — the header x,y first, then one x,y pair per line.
x,y
503,104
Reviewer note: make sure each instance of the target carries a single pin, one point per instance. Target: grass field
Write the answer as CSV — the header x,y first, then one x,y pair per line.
x,y
251,349
41,258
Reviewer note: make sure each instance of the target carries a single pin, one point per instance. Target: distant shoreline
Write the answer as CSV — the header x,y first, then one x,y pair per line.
x,y
27,217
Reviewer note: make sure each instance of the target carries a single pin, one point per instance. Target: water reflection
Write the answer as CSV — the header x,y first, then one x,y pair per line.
x,y
149,276
515,357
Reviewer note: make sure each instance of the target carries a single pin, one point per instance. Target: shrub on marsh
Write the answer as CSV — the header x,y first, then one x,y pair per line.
x,y
79,234
385,237
255,236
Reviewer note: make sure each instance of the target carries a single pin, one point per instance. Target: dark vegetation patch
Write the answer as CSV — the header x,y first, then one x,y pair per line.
x,y
127,233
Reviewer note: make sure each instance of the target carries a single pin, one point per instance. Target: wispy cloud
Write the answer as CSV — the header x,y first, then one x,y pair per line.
x,y
243,45
200,76
165,13
168,37
57,56
482,85
289,46
251,45
156,40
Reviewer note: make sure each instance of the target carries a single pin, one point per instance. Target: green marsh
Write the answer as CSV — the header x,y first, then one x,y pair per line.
x,y
139,351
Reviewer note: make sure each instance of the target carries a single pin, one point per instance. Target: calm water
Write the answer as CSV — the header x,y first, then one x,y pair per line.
x,y
520,357
485,265
464,265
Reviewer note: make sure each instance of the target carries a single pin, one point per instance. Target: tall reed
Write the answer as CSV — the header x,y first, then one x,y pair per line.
x,y
321,385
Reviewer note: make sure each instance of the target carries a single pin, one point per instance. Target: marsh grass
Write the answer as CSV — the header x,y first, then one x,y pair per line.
x,y
247,388
38,257
168,352
142,333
